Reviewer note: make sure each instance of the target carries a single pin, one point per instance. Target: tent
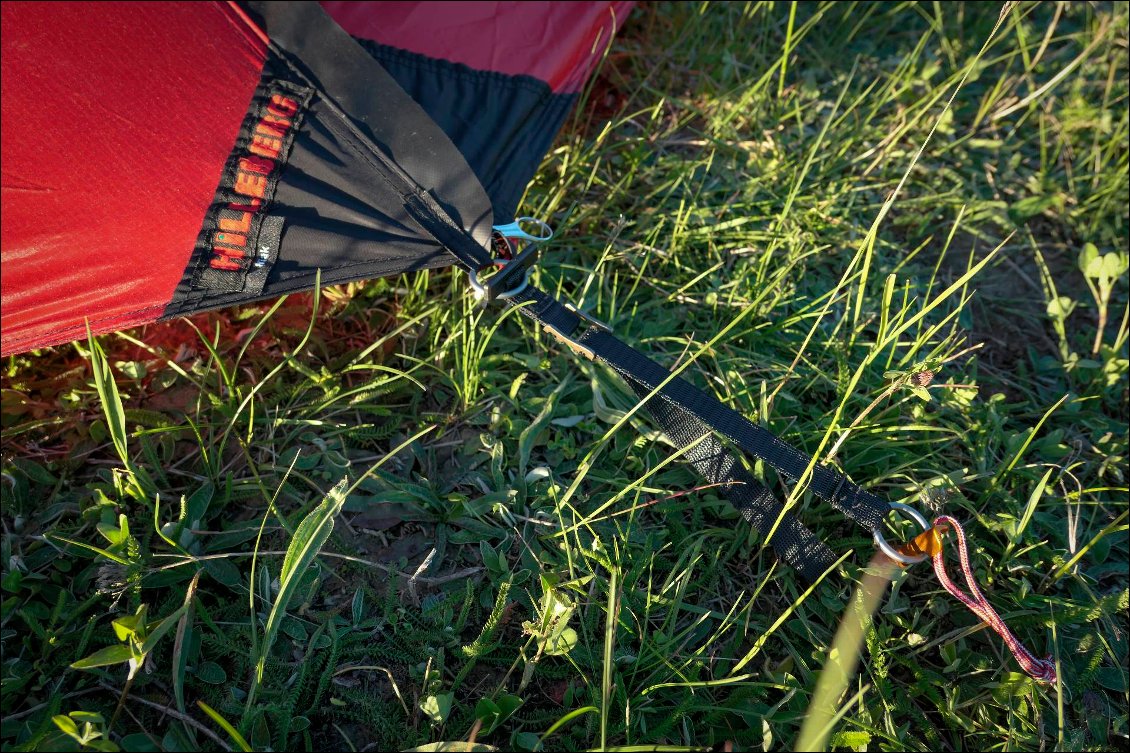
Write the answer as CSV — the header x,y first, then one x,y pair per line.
x,y
164,158
160,159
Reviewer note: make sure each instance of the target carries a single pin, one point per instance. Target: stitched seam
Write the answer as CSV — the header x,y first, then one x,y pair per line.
x,y
192,307
379,262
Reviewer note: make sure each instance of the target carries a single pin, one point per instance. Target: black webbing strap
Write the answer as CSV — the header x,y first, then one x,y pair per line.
x,y
684,416
863,507
435,220
420,203
794,543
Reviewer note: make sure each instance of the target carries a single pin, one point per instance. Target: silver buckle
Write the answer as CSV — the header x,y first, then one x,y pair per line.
x,y
526,230
481,290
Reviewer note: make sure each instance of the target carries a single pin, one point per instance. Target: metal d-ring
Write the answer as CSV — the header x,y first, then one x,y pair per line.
x,y
481,290
889,550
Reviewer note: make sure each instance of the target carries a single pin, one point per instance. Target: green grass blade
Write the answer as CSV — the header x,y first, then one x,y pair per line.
x,y
105,657
89,547
233,733
609,643
304,547
167,624
109,397
1116,527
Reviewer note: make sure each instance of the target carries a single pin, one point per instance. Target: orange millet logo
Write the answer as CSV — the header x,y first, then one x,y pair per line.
x,y
252,183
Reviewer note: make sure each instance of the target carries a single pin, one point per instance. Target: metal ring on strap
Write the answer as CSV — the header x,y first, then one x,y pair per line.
x,y
889,550
481,290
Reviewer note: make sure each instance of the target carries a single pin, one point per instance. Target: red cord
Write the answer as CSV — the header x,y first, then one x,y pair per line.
x,y
1042,670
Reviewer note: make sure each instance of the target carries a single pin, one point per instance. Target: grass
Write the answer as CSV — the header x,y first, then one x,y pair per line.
x,y
893,233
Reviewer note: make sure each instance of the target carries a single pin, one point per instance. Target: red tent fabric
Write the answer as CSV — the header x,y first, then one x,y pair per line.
x,y
111,158
163,158
509,37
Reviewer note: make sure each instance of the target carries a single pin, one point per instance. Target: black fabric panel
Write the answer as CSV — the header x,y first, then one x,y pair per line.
x,y
386,114
344,211
502,124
